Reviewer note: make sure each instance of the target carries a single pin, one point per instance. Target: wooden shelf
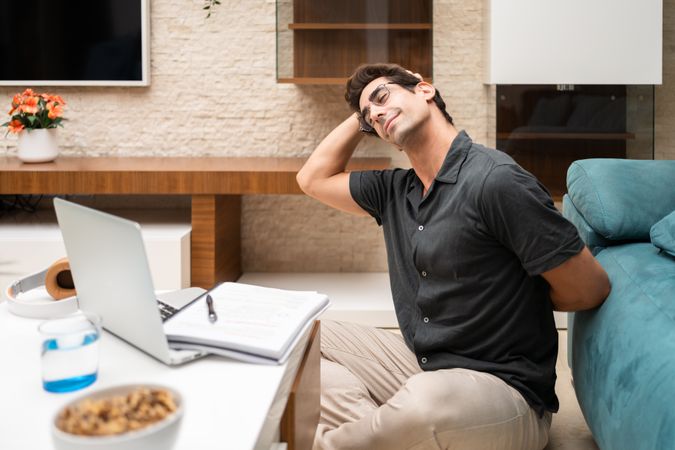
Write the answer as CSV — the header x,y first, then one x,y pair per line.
x,y
215,185
321,80
313,80
156,175
572,136
359,26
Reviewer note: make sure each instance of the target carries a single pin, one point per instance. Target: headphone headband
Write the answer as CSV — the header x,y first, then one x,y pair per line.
x,y
57,280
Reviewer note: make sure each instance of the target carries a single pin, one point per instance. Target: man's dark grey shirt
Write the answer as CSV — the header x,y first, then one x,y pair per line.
x,y
465,263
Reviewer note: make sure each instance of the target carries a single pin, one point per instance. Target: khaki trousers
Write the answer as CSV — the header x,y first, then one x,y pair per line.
x,y
375,396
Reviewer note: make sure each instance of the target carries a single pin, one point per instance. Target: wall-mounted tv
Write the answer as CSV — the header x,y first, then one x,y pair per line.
x,y
74,42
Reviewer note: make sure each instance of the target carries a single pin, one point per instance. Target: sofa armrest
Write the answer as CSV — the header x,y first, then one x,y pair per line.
x,y
621,199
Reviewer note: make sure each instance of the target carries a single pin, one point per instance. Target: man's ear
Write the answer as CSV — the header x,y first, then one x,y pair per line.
x,y
427,89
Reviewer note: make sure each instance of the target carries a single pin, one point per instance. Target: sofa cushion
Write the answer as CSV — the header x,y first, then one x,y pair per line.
x,y
663,234
619,198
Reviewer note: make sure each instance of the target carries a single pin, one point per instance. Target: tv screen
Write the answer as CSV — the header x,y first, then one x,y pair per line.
x,y
74,42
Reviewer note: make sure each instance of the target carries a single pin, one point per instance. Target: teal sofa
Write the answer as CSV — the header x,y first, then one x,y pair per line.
x,y
622,354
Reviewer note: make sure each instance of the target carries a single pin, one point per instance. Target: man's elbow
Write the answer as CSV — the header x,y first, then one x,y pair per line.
x,y
304,182
597,296
606,289
587,297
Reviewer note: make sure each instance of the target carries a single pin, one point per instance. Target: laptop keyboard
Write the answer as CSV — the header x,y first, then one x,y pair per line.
x,y
165,310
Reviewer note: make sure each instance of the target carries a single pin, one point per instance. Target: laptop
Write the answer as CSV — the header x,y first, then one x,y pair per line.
x,y
112,278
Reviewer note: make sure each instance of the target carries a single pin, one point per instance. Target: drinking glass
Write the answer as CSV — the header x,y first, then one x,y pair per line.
x,y
70,351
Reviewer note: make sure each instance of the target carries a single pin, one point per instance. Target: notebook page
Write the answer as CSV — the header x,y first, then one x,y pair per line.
x,y
250,318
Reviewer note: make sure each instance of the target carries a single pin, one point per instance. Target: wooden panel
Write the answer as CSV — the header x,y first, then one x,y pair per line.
x,y
215,246
362,11
359,26
314,80
301,416
208,175
336,53
333,81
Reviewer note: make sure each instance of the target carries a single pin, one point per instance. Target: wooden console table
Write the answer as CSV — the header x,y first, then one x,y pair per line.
x,y
216,185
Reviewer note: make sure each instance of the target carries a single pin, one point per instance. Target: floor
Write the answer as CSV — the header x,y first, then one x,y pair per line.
x,y
569,430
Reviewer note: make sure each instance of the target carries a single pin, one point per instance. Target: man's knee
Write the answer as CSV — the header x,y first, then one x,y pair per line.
x,y
337,377
464,409
458,398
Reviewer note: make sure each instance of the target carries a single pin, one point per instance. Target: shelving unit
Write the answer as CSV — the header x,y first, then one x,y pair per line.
x,y
566,136
323,42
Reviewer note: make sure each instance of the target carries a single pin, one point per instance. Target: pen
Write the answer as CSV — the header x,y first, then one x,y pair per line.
x,y
212,312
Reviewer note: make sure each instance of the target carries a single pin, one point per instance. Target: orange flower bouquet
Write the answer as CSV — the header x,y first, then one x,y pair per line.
x,y
33,111
34,118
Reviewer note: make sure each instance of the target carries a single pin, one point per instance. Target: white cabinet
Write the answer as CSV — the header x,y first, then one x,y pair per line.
x,y
30,243
573,41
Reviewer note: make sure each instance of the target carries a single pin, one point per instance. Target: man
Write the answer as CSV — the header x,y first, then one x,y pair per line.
x,y
478,259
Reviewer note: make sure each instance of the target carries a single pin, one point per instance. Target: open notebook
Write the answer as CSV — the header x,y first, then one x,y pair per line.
x,y
254,323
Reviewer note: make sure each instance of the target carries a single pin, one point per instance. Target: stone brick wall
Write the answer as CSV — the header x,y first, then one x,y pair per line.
x,y
664,95
213,92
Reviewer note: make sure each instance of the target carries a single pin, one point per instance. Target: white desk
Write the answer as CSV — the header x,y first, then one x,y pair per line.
x,y
228,405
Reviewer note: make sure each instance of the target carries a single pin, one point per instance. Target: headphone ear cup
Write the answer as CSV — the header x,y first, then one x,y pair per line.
x,y
59,280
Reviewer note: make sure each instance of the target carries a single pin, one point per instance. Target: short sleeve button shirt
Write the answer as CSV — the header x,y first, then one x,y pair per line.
x,y
465,262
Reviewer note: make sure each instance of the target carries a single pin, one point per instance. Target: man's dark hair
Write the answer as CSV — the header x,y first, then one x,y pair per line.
x,y
366,73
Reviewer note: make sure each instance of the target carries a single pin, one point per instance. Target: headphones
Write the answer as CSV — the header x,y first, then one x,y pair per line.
x,y
57,280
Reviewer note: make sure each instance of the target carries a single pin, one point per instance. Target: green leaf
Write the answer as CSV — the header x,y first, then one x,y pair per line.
x,y
31,119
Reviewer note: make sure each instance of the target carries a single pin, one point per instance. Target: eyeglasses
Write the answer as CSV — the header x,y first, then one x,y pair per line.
x,y
378,97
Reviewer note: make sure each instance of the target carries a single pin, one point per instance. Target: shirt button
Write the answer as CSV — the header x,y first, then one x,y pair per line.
x,y
424,360
426,320
421,227
424,273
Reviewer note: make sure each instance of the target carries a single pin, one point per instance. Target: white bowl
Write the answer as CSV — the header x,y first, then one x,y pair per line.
x,y
159,435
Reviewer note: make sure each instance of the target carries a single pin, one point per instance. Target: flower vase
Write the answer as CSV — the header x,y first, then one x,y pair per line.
x,y
37,146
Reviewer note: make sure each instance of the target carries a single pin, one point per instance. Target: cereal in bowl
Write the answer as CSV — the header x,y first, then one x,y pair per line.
x,y
118,414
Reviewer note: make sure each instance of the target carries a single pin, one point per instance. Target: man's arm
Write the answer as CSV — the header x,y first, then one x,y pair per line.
x,y
323,176
578,283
